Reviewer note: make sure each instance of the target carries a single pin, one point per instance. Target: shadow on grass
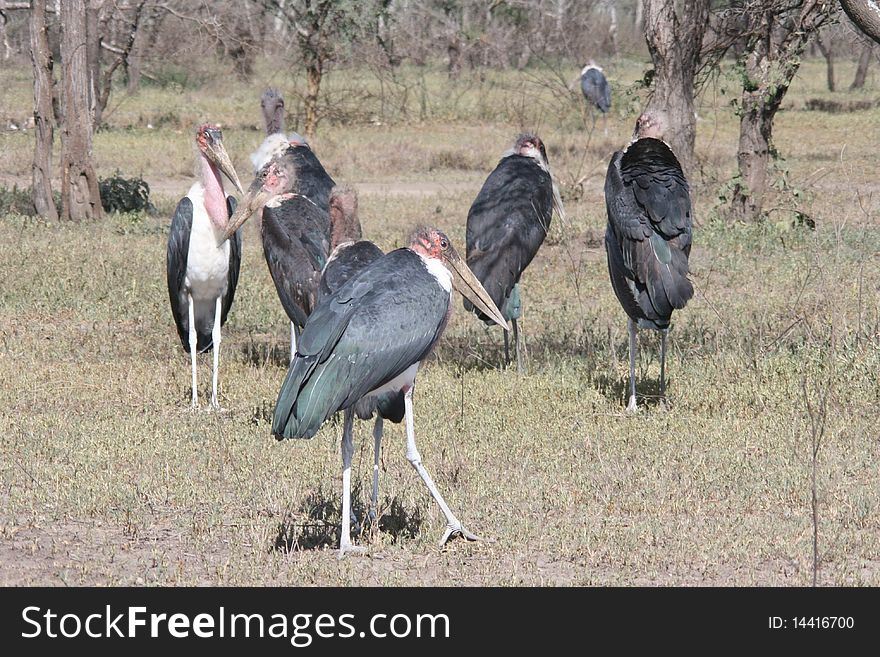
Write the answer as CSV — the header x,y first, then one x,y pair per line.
x,y
260,352
321,525
617,390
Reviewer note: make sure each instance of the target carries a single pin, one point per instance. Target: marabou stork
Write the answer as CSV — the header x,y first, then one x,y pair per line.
x,y
648,238
507,224
349,257
294,188
362,346
203,272
596,90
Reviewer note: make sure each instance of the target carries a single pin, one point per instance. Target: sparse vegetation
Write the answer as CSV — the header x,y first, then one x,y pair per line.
x,y
109,479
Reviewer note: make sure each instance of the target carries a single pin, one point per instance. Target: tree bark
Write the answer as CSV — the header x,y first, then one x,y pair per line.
x,y
674,41
865,14
80,197
773,56
862,69
41,169
314,73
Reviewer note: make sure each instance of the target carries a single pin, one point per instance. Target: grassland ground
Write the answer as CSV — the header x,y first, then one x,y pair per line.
x,y
107,477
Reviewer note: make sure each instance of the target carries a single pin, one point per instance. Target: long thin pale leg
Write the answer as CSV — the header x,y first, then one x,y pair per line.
x,y
631,406
516,346
663,334
193,342
292,341
345,545
215,338
377,440
453,525
506,351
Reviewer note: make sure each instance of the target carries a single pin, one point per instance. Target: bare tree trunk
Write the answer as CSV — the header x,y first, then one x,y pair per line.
x,y
772,61
41,59
674,41
80,197
314,73
827,51
862,69
865,14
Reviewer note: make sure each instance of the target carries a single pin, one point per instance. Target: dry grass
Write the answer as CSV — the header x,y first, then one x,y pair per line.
x,y
107,478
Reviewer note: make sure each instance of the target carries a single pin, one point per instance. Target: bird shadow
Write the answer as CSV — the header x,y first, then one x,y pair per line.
x,y
262,352
317,525
617,390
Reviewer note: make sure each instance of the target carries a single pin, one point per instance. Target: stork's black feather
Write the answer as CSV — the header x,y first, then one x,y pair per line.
x,y
648,237
507,224
347,260
313,181
365,334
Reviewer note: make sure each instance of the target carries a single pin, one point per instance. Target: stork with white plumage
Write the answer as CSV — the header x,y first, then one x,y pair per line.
x,y
202,270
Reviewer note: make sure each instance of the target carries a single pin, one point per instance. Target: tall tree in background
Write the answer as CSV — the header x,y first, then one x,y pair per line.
x,y
41,59
320,27
675,37
80,197
776,34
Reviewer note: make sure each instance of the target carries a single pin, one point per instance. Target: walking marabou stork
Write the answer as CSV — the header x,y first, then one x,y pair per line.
x,y
362,346
596,90
202,271
295,190
648,238
507,224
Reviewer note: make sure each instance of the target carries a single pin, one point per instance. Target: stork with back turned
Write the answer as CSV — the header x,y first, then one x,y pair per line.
x,y
597,91
202,270
507,224
648,237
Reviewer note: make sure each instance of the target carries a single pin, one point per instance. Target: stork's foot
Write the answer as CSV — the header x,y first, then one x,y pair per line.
x,y
631,407
348,548
457,529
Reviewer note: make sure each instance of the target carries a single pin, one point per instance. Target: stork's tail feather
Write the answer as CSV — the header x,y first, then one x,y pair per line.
x,y
290,419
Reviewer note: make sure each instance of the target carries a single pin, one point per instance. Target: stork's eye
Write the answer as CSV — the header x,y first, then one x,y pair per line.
x,y
444,244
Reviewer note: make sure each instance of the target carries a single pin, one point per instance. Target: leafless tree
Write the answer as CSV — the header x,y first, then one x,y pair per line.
x,y
865,57
674,32
41,59
80,197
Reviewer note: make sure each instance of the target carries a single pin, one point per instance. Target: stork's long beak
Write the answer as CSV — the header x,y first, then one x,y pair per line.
x,y
255,198
464,280
217,153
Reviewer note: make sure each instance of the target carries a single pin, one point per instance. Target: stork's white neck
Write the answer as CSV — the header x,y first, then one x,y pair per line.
x,y
438,270
589,67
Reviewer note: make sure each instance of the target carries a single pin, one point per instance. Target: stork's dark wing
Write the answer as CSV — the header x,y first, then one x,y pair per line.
x,y
596,89
507,223
346,261
296,243
369,331
648,239
234,263
312,180
175,266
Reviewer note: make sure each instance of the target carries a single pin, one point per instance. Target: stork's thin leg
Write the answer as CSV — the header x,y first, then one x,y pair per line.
x,y
453,525
516,346
215,338
193,349
345,545
506,351
663,334
292,341
374,498
631,406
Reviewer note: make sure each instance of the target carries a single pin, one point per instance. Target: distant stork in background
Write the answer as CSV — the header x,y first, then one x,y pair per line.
x,y
295,229
362,346
506,225
648,238
597,91
202,270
